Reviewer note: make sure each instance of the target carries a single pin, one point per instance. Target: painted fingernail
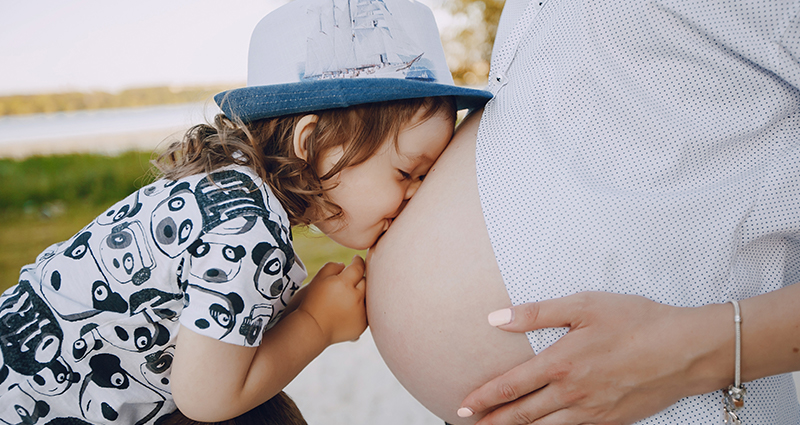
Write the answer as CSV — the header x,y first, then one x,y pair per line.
x,y
501,317
465,412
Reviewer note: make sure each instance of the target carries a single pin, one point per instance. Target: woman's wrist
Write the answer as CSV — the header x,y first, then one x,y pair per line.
x,y
710,347
769,335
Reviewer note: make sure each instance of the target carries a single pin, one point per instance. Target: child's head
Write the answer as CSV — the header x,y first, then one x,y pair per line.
x,y
348,170
367,180
336,88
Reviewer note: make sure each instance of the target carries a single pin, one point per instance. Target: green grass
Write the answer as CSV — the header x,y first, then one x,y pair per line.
x,y
71,180
44,200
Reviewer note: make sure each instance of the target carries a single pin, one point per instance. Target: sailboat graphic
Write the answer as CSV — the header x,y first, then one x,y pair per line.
x,y
359,38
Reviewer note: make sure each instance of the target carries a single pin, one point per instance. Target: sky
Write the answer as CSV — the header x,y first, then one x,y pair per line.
x,y
109,45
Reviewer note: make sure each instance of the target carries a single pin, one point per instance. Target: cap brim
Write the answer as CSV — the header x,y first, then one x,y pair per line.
x,y
258,102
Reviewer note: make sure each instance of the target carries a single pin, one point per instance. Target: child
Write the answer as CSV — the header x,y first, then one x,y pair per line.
x,y
172,296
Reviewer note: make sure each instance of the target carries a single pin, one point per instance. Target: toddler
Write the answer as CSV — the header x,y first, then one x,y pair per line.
x,y
172,296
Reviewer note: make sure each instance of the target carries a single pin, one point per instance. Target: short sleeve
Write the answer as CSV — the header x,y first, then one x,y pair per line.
x,y
240,274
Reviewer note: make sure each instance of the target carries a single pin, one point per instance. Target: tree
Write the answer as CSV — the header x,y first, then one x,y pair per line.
x,y
468,41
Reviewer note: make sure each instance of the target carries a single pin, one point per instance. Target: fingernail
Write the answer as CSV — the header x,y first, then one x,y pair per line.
x,y
464,412
501,317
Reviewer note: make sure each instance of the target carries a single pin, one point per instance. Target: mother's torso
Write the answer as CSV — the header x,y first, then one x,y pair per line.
x,y
433,280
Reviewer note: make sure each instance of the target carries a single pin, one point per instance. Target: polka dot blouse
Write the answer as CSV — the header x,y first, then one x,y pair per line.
x,y
648,148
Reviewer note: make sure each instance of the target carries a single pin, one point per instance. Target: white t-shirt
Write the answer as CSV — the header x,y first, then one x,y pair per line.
x,y
648,148
88,333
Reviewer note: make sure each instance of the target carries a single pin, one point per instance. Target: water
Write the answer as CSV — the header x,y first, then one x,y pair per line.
x,y
108,125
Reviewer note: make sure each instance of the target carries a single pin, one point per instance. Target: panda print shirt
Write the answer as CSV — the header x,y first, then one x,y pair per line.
x,y
88,333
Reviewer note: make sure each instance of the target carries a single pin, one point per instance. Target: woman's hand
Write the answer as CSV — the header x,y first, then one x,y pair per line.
x,y
335,299
624,358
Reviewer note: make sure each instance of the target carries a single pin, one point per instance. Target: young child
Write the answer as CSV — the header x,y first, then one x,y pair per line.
x,y
172,296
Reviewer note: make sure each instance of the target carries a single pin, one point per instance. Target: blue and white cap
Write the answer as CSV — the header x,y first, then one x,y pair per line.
x,y
310,55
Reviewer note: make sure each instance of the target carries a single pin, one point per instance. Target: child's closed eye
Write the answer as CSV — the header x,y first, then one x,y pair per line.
x,y
407,176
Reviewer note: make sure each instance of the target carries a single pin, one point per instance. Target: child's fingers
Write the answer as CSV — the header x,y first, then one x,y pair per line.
x,y
357,260
329,269
354,272
362,284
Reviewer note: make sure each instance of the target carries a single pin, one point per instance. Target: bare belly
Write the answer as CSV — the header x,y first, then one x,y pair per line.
x,y
432,280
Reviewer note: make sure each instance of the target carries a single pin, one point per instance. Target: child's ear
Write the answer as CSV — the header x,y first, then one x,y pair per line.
x,y
302,130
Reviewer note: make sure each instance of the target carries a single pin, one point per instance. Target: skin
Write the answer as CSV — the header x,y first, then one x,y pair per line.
x,y
374,192
329,309
433,280
625,357
655,360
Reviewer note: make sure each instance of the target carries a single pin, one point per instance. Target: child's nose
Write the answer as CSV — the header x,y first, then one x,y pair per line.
x,y
412,189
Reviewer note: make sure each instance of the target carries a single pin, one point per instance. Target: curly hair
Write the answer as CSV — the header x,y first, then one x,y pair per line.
x,y
266,147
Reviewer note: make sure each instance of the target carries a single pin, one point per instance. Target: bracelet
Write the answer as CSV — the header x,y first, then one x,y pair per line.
x,y
733,395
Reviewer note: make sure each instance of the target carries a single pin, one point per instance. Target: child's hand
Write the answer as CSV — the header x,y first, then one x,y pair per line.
x,y
335,299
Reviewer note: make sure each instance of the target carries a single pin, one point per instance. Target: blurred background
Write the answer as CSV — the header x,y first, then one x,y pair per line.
x,y
90,90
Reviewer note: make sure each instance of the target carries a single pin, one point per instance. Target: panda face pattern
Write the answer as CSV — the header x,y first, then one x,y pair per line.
x,y
140,338
156,368
125,254
110,394
270,278
227,256
129,334
31,334
54,379
157,187
122,210
176,222
74,304
28,411
212,313
160,303
89,341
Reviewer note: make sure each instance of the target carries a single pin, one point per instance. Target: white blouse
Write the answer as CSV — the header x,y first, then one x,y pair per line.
x,y
649,148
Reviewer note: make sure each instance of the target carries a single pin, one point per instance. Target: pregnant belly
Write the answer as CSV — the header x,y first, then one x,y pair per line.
x,y
432,280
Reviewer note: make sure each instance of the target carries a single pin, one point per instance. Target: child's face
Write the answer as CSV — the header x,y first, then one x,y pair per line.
x,y
373,193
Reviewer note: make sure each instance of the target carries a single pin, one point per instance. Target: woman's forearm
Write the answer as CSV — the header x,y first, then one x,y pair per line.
x,y
770,338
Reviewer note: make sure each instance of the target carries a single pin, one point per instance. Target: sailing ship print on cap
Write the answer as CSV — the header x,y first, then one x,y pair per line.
x,y
310,55
356,38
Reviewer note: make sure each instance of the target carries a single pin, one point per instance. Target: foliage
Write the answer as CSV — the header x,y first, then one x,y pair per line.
x,y
469,43
23,235
74,101
85,179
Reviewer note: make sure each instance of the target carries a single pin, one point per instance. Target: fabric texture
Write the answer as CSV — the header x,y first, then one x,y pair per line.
x,y
88,333
648,148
